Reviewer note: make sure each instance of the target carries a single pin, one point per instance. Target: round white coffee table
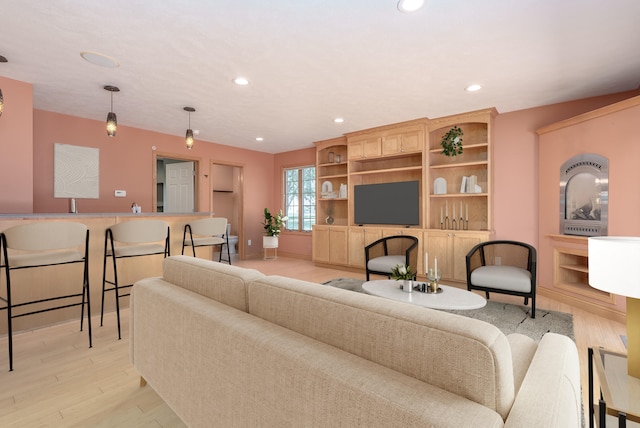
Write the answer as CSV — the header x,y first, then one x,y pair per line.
x,y
451,298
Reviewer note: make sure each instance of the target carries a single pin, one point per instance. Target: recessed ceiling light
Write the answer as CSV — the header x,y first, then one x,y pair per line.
x,y
241,81
338,120
473,88
100,59
408,6
259,139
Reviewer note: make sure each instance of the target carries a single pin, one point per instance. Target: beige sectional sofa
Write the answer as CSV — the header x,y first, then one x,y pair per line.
x,y
230,347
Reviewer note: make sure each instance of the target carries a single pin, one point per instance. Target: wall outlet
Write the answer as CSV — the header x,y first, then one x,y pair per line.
x,y
120,193
498,261
249,242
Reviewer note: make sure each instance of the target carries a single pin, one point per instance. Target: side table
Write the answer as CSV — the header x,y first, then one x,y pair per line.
x,y
619,393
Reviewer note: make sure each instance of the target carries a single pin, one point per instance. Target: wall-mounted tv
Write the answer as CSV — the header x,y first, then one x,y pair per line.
x,y
387,203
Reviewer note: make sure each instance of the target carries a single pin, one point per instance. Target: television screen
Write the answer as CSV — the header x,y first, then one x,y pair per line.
x,y
387,203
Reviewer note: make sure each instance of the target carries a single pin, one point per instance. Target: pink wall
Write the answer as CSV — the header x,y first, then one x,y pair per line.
x,y
126,163
16,137
614,136
291,243
515,153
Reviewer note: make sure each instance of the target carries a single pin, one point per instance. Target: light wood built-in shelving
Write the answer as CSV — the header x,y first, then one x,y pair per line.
x,y
408,151
571,273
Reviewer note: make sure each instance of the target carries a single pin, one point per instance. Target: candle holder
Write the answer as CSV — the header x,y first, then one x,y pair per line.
x,y
453,225
433,276
446,222
466,225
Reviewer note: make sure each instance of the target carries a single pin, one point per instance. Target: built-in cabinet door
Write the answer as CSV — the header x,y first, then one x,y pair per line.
x,y
330,244
439,247
392,144
462,244
406,142
321,247
451,248
412,141
360,237
338,245
365,148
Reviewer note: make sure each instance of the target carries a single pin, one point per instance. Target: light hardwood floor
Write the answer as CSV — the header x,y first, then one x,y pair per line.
x,y
58,381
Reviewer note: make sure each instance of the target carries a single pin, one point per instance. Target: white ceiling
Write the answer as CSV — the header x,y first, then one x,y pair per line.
x,y
310,61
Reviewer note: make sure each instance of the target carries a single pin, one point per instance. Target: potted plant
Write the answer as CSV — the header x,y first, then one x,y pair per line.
x,y
403,273
452,142
272,225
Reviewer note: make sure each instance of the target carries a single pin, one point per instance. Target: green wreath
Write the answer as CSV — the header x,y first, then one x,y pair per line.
x,y
452,142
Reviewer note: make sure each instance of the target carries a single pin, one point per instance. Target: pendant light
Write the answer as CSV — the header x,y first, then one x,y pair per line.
x,y
2,59
112,121
189,137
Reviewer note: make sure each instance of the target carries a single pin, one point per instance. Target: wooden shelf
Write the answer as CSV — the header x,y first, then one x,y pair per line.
x,y
577,268
459,165
465,147
321,177
388,171
571,271
460,195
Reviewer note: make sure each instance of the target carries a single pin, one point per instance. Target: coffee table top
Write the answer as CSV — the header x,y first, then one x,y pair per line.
x,y
451,298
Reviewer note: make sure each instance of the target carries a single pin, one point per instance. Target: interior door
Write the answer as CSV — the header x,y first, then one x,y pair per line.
x,y
179,187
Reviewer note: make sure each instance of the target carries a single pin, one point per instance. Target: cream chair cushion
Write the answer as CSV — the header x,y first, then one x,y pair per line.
x,y
502,277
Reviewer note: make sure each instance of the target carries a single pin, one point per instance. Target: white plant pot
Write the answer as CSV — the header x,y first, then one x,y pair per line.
x,y
269,242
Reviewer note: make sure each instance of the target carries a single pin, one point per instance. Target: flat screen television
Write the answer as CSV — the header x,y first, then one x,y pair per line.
x,y
387,203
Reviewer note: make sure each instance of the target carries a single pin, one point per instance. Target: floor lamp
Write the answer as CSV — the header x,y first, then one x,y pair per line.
x,y
614,267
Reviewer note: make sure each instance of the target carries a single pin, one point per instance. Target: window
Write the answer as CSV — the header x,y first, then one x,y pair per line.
x,y
300,198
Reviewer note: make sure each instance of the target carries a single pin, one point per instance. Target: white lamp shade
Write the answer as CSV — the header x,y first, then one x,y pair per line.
x,y
614,265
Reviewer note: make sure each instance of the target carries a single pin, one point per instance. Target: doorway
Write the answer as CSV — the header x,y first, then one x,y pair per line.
x,y
226,201
175,184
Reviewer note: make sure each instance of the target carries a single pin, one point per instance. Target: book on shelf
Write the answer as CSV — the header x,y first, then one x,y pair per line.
x,y
463,185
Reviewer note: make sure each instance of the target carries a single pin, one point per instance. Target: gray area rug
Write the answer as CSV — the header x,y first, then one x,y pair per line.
x,y
508,318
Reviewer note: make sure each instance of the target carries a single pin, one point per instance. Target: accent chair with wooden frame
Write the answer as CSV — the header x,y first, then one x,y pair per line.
x,y
384,254
37,245
507,267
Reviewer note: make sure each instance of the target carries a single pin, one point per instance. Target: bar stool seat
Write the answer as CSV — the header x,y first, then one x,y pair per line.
x,y
136,250
37,245
45,259
135,238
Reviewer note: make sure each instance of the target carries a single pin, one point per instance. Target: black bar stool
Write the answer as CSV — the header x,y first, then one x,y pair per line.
x,y
209,232
41,244
137,238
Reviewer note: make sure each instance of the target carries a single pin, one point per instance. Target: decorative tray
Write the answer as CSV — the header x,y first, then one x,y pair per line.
x,y
422,287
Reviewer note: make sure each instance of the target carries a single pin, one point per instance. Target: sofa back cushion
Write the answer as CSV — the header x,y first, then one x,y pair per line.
x,y
462,355
221,282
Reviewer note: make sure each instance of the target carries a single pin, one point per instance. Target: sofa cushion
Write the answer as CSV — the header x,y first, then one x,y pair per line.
x,y
462,355
502,277
550,394
523,348
221,282
385,263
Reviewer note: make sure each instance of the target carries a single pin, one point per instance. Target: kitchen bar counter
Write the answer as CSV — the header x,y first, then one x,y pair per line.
x,y
31,284
91,215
